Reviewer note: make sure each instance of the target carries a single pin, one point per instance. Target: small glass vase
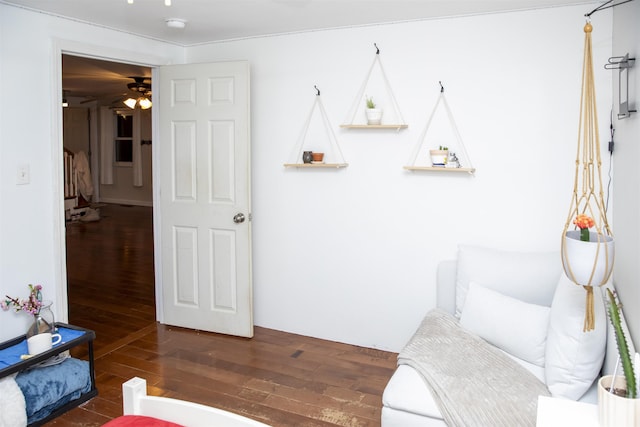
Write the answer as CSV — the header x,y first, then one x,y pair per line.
x,y
43,321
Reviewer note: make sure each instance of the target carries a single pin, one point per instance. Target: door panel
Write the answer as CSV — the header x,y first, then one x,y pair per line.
x,y
205,177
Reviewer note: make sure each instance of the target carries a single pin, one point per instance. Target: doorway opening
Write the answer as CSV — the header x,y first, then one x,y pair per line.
x,y
109,256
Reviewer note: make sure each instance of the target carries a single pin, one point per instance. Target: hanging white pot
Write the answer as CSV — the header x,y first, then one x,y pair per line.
x,y
588,263
614,410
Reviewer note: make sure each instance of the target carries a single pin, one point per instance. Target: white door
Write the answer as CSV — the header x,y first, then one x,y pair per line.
x,y
205,197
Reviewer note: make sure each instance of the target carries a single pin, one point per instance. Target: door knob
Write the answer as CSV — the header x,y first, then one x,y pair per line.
x,y
238,218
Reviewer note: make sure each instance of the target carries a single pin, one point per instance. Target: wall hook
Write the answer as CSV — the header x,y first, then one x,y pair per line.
x,y
603,6
317,94
441,87
377,49
616,62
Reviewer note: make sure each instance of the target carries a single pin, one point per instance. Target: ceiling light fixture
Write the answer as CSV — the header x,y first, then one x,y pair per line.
x,y
175,23
142,102
142,92
130,102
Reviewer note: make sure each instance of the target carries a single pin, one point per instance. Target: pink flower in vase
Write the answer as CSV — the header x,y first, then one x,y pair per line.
x,y
29,305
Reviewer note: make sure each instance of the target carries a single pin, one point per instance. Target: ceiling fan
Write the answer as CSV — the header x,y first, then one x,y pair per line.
x,y
143,92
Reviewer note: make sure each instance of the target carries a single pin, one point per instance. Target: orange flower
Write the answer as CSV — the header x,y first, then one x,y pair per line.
x,y
584,221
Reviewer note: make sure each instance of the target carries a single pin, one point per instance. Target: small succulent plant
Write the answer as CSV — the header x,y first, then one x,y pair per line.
x,y
370,103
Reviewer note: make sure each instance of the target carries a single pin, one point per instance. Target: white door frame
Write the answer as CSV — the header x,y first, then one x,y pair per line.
x,y
60,47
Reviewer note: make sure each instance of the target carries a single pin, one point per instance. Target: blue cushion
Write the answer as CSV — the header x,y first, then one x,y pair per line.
x,y
47,388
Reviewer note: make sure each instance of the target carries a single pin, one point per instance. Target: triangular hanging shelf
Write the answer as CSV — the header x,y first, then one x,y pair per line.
x,y
420,158
317,121
391,116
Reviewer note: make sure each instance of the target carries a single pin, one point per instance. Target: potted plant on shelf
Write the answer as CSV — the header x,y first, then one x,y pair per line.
x,y
374,114
439,156
618,401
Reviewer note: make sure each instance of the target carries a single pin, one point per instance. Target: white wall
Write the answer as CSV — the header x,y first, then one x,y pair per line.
x,y
626,187
347,255
31,216
350,255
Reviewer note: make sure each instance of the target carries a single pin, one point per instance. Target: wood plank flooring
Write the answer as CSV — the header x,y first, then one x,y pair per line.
x,y
278,378
110,272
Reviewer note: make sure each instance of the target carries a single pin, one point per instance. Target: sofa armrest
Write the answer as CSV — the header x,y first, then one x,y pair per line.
x,y
446,286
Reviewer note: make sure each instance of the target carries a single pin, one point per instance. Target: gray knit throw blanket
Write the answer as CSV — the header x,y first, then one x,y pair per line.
x,y
472,382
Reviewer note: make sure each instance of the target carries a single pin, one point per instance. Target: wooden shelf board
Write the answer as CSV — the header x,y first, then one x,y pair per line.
x,y
316,165
439,169
399,126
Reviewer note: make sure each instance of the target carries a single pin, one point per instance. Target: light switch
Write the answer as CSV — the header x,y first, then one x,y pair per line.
x,y
24,177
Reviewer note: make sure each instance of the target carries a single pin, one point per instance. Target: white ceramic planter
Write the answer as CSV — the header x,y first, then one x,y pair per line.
x,y
582,259
616,411
374,116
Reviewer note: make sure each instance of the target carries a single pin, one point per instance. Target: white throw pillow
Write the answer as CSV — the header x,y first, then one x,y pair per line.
x,y
528,276
517,327
574,358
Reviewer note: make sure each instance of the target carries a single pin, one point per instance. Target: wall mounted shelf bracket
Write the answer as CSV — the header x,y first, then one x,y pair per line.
x,y
323,135
392,117
419,153
622,64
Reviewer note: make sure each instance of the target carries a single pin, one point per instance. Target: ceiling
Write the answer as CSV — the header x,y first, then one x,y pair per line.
x,y
209,21
92,79
216,20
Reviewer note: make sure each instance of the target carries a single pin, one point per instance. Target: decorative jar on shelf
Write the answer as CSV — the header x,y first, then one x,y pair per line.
x,y
307,156
439,157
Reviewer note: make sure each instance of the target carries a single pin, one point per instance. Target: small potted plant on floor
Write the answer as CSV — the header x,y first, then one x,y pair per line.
x,y
618,401
374,114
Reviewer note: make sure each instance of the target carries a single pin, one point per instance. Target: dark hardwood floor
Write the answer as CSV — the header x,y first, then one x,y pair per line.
x,y
278,378
110,272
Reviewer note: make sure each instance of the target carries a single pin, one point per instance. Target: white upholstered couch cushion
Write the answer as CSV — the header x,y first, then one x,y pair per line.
x,y
529,277
574,358
514,326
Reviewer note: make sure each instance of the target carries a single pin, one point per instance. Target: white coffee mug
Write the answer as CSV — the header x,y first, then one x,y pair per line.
x,y
42,342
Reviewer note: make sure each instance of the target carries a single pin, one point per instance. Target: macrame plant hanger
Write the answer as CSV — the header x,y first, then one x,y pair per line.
x,y
588,263
334,156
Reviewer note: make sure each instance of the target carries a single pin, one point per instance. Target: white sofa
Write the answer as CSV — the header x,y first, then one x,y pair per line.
x,y
572,360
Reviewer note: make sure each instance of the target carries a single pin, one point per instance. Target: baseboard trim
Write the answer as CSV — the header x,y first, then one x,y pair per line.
x,y
127,202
